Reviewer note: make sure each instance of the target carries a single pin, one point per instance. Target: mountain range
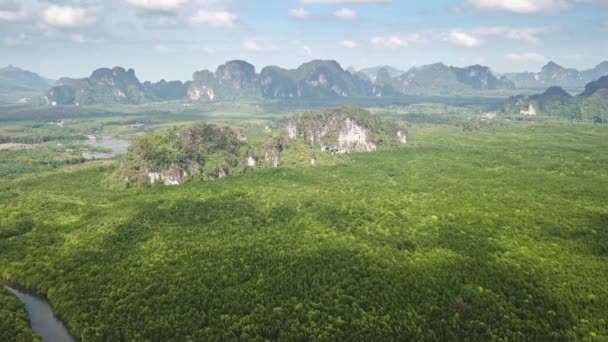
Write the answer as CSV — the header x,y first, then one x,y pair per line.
x,y
553,74
317,79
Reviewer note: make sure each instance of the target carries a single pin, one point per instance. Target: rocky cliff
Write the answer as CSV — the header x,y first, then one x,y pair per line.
x,y
106,86
200,151
232,80
315,79
345,130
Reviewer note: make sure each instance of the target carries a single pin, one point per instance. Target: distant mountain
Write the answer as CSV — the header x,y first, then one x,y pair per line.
x,y
440,79
594,100
112,86
372,72
166,91
555,101
16,82
315,79
592,87
554,74
234,79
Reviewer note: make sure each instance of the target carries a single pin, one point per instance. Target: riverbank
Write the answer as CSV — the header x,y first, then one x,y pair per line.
x,y
14,322
39,314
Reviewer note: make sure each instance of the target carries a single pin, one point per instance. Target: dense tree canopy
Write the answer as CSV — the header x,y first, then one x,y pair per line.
x,y
497,235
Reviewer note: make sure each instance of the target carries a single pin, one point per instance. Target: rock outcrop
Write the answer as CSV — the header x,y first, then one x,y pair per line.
x,y
232,80
315,79
345,130
553,102
200,151
105,86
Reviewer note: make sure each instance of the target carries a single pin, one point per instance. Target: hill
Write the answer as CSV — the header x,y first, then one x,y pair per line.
x,y
553,74
199,151
591,104
16,83
112,86
440,79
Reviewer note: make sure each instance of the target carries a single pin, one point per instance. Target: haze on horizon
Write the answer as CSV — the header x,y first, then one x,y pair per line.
x,y
172,38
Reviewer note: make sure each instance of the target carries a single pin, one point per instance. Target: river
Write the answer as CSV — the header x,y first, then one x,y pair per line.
x,y
42,318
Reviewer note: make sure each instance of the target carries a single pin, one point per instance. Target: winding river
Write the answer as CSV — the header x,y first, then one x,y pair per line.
x,y
42,318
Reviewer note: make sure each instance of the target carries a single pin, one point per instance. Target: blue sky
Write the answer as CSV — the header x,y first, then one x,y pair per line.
x,y
172,38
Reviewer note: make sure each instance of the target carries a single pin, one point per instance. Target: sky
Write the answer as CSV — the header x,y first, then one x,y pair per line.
x,y
170,39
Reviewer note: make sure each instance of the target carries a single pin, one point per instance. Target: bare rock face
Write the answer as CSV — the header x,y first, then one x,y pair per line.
x,y
272,151
345,130
232,80
203,86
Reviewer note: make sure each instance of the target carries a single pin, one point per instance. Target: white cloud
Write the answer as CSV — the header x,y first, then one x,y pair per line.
x,y
157,5
67,16
345,14
349,44
545,7
343,2
526,57
397,41
523,34
258,44
307,50
299,13
463,39
251,45
12,15
214,18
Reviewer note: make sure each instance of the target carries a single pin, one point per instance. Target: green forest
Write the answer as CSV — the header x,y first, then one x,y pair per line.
x,y
494,235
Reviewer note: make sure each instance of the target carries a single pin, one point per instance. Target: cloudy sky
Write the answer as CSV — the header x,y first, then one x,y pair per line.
x,y
172,38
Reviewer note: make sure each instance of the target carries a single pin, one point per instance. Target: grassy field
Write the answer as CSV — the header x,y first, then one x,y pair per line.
x,y
495,235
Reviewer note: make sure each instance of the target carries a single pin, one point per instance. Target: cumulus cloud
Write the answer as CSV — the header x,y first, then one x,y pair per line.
x,y
523,34
349,44
397,41
463,39
526,57
67,16
475,37
299,13
345,14
543,7
217,19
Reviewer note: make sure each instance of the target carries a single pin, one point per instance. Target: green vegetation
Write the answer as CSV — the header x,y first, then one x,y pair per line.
x,y
14,325
495,235
199,151
590,105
